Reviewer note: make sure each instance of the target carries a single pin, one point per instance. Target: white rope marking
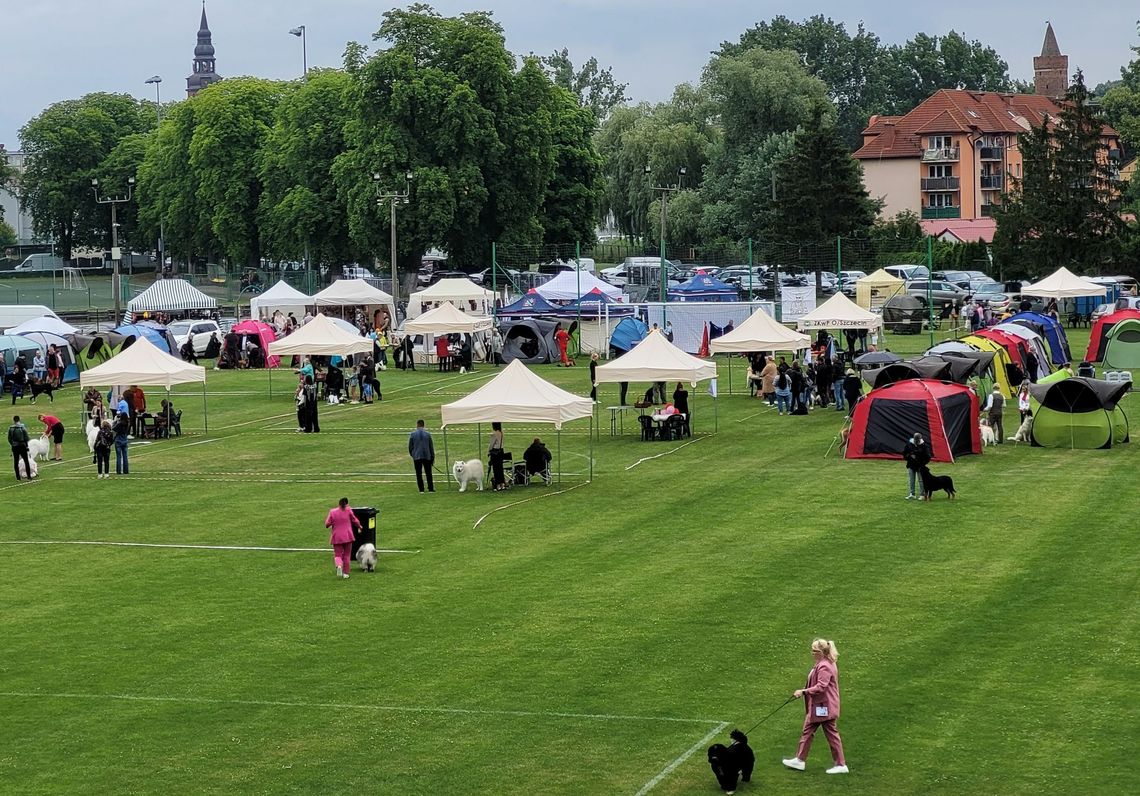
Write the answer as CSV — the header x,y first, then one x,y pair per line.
x,y
342,706
669,769
192,546
477,377
757,414
666,453
210,479
528,500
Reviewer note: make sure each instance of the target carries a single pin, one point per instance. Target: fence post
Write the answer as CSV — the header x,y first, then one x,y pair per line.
x,y
750,294
929,276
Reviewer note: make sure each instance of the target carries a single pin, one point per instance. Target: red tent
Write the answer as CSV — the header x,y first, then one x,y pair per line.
x,y
944,413
263,333
1013,345
1099,337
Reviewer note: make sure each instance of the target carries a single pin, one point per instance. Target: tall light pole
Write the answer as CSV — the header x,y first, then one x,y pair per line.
x,y
300,31
665,192
157,81
116,255
394,198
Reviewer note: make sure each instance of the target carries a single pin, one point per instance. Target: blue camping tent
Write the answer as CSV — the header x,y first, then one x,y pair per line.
x,y
12,346
1049,328
529,305
628,333
158,335
70,368
703,288
595,304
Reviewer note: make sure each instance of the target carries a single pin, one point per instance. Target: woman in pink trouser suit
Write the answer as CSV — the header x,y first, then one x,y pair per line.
x,y
821,697
342,520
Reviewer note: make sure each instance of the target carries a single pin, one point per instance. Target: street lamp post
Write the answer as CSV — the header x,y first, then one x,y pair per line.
x,y
394,198
300,31
116,255
157,81
665,192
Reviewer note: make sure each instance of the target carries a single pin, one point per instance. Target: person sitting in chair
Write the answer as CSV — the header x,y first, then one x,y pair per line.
x,y
537,458
162,420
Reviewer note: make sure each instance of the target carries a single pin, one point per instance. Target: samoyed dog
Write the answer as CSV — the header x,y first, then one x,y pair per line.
x,y
987,433
470,471
92,431
39,448
366,557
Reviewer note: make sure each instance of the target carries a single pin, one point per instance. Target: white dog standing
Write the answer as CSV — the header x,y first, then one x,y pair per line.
x,y
92,430
1024,431
39,448
987,433
366,557
470,471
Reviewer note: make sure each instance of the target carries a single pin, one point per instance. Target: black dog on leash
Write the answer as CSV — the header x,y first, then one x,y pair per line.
x,y
933,483
38,387
732,762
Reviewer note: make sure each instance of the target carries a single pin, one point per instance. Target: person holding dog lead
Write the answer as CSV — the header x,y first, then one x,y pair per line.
x,y
821,701
995,403
495,458
916,453
342,520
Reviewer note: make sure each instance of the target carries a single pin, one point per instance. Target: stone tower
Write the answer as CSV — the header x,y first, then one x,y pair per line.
x,y
204,72
1051,69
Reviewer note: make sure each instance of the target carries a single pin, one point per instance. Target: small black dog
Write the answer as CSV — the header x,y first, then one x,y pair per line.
x,y
38,387
733,761
932,483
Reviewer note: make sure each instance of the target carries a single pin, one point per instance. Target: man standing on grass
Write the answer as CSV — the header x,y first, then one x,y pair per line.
x,y
422,450
18,439
917,456
995,403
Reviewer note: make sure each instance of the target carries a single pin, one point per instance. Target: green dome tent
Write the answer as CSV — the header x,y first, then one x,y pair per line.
x,y
1078,413
1123,347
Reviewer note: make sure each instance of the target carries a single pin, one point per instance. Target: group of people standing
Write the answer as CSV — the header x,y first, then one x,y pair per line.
x,y
794,388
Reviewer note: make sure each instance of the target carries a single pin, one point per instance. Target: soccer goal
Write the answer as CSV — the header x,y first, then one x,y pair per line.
x,y
72,279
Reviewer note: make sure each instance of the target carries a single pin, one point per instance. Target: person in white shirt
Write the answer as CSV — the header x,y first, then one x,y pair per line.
x,y
1023,400
993,409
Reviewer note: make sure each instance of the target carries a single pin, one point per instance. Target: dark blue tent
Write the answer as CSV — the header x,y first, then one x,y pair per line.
x,y
529,305
628,333
594,304
703,288
1049,328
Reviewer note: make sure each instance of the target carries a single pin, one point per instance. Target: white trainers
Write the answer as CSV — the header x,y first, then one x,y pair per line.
x,y
339,571
837,770
345,576
794,763
910,497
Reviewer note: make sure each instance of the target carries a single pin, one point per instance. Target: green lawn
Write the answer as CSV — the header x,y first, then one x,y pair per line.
x,y
578,643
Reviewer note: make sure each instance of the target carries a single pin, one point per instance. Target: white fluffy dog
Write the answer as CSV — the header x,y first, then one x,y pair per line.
x,y
24,472
1024,430
366,557
39,448
987,433
92,430
468,471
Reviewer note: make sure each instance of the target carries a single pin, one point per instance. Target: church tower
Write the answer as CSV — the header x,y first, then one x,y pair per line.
x,y
1051,69
204,72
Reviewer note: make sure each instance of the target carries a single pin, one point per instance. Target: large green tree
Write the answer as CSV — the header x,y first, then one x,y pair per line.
x,y
1064,210
927,63
66,146
570,207
594,87
1121,103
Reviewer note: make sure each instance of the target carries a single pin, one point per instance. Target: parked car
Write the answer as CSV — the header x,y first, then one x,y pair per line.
x,y
847,286
960,278
1102,310
829,282
976,284
994,296
908,272
438,275
941,293
200,330
853,275
354,271
41,262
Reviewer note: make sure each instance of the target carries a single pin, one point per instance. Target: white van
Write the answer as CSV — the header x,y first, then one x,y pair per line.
x,y
908,272
15,314
41,262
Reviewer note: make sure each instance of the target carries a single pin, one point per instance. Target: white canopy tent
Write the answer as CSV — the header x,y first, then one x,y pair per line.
x,y
281,296
839,312
518,395
46,323
447,319
320,337
1063,283
460,292
143,363
357,293
759,332
171,295
572,285
656,359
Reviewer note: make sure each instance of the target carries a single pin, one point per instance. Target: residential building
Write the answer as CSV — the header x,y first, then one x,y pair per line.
x,y
954,155
205,71
19,220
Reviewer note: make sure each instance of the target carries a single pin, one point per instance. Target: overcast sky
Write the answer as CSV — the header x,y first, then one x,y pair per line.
x,y
63,49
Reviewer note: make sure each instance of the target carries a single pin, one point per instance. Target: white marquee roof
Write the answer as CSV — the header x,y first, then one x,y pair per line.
x,y
656,359
760,332
517,395
142,363
572,285
320,337
447,319
839,312
1063,283
281,296
351,293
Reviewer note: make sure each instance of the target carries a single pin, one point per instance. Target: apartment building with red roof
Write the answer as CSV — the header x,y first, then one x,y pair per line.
x,y
953,155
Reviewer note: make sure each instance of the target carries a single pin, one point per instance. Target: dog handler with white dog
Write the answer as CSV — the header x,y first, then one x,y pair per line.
x,y
342,520
821,697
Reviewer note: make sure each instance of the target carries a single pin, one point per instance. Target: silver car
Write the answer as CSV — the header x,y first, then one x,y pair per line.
x,y
940,293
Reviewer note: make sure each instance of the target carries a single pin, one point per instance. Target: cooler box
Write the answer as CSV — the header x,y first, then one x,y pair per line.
x,y
367,532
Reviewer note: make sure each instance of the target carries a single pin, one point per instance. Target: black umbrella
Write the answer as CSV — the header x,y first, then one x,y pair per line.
x,y
877,358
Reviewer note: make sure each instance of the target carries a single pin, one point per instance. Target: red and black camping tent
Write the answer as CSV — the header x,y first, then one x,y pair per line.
x,y
944,413
1098,340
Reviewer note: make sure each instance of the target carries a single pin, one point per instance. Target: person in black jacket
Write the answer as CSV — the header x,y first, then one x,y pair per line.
x,y
594,377
852,390
916,453
537,458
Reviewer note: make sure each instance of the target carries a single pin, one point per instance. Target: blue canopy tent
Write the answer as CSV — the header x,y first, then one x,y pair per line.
x,y
1049,328
594,305
528,306
628,333
159,335
703,288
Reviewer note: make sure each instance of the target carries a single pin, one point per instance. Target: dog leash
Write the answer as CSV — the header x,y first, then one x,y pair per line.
x,y
770,715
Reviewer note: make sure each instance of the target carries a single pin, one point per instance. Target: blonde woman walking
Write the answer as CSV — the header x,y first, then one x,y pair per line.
x,y
821,699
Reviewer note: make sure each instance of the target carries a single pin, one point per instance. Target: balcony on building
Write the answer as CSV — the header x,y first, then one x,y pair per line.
x,y
987,210
942,212
992,182
941,155
991,153
940,183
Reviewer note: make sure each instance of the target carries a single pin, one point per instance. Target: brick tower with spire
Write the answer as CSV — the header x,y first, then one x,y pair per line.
x,y
204,71
1050,69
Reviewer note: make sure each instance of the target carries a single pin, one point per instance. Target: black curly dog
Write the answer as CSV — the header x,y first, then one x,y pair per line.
x,y
933,483
733,761
38,387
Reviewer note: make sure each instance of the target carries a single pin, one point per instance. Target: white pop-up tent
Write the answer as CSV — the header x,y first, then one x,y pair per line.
x,y
839,312
447,319
346,293
171,295
45,323
463,293
281,296
320,337
518,395
759,332
143,363
1063,283
572,285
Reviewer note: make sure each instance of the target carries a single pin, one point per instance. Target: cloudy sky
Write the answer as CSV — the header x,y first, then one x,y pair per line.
x,y
62,49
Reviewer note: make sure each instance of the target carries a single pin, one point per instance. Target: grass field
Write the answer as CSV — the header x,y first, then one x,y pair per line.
x,y
594,640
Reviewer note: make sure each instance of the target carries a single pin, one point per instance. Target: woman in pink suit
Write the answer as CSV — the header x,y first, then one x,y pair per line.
x,y
822,701
342,520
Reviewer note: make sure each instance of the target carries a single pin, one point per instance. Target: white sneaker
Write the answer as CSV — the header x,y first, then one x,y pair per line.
x,y
345,576
837,770
910,497
795,763
340,572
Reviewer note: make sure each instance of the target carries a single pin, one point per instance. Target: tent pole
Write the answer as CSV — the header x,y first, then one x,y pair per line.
x,y
270,378
729,367
446,466
479,447
716,416
560,455
205,413
591,449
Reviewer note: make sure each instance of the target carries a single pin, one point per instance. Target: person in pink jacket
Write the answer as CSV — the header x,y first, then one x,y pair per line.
x,y
821,696
342,520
